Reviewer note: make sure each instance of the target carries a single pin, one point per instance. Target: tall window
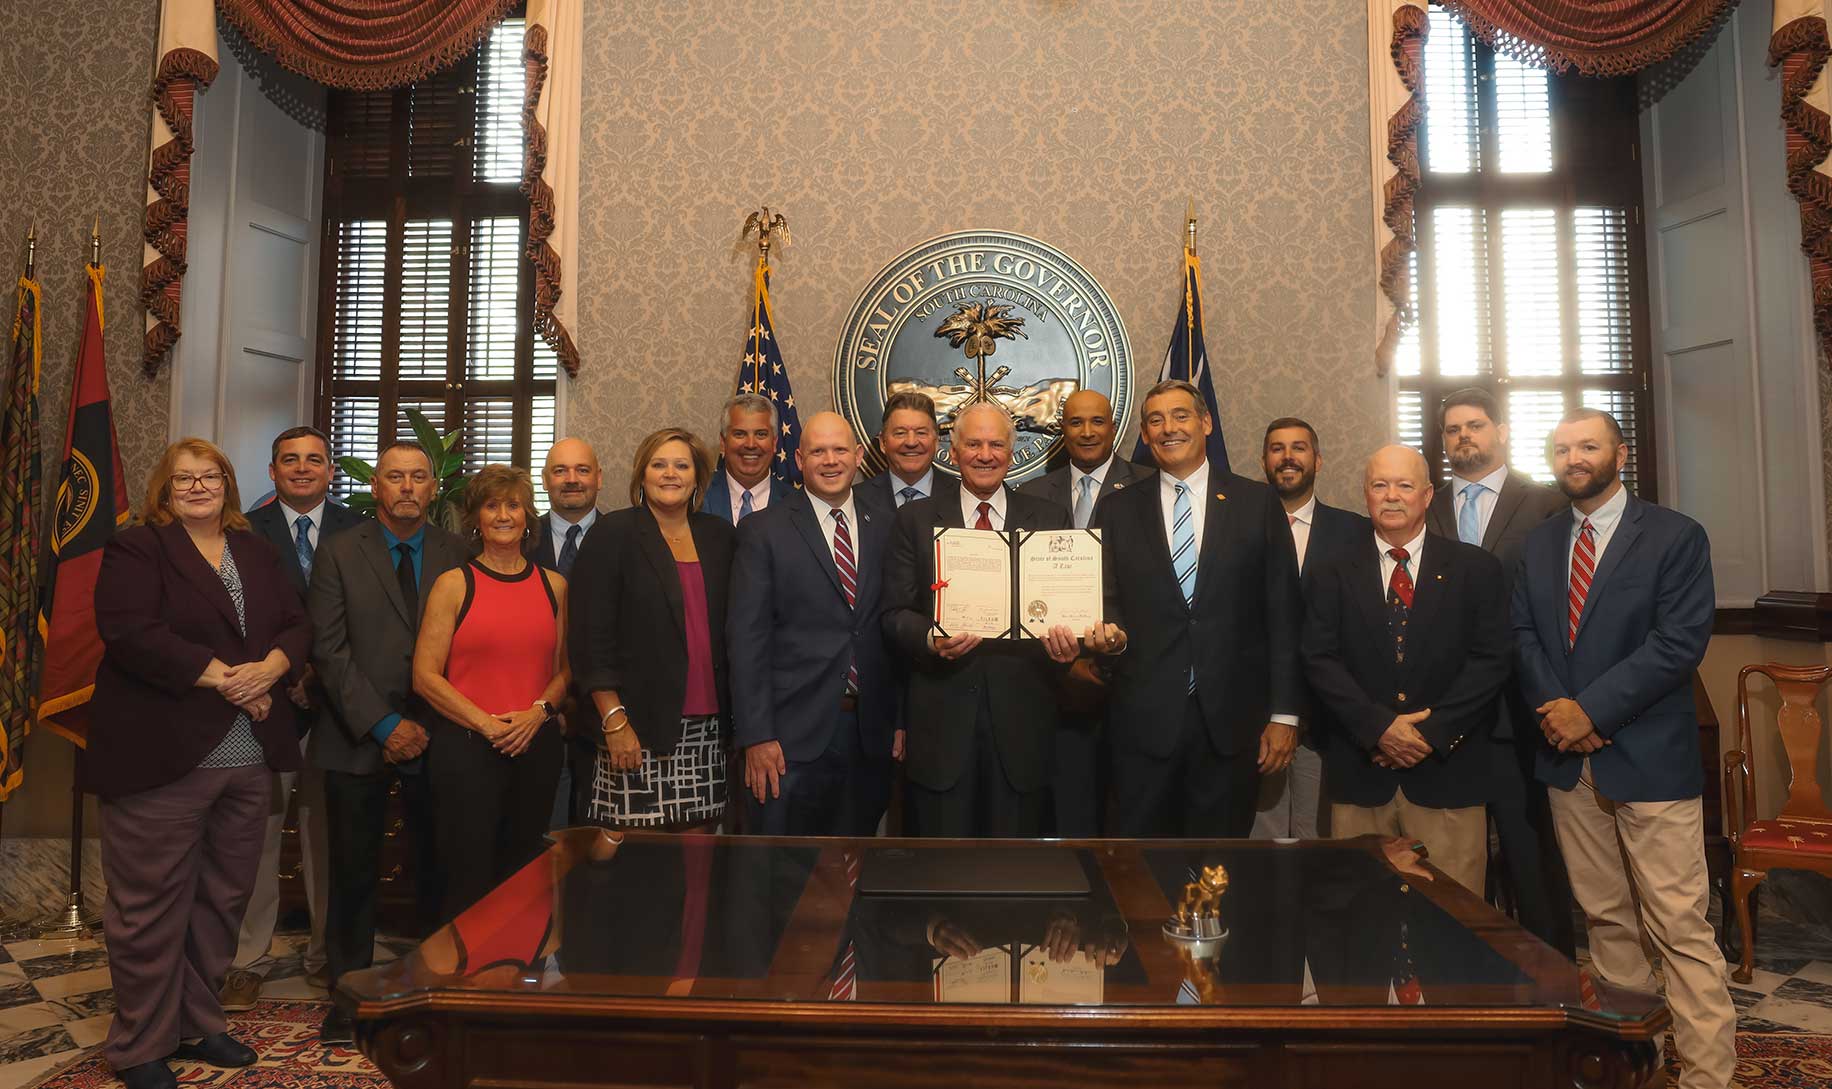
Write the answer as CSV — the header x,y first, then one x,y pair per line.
x,y
427,301
1530,276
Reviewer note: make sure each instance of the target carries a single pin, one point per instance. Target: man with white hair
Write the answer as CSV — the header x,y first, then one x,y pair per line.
x,y
747,452
981,715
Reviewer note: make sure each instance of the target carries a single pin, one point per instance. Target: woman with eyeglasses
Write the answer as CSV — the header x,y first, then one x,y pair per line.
x,y
200,636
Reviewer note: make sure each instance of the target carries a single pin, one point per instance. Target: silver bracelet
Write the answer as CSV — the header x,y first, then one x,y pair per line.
x,y
605,721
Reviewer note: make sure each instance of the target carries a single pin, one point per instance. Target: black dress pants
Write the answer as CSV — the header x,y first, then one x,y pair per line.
x,y
356,808
1078,785
982,802
1195,792
841,792
493,809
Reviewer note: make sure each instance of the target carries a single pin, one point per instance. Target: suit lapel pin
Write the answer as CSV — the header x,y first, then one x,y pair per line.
x,y
1440,578
1218,495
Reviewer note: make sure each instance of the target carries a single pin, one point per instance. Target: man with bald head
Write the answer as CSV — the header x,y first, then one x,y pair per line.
x,y
982,714
1406,640
814,699
572,478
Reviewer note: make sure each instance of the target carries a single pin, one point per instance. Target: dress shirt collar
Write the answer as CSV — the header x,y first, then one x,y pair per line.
x,y
823,514
413,543
1492,481
1415,548
557,525
1198,482
316,514
970,507
1306,513
760,492
924,484
1603,520
1099,474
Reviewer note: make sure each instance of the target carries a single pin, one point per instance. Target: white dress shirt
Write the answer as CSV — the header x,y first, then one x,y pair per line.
x,y
1098,474
1300,520
970,507
316,514
1603,523
823,513
1485,503
760,495
1199,506
1415,548
925,485
557,527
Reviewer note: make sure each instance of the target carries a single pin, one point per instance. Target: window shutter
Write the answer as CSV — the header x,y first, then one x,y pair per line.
x,y
356,332
436,122
495,320
1460,250
361,135
500,86
1453,138
426,299
353,431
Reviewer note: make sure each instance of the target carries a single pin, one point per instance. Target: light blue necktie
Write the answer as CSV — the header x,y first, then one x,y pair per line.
x,y
908,494
302,544
1469,519
744,508
1183,551
1084,503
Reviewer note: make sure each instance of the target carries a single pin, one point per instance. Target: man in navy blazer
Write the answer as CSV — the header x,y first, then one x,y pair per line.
x,y
1612,611
572,477
813,696
301,516
747,452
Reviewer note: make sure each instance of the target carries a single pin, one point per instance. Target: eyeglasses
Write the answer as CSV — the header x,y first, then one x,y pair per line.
x,y
184,482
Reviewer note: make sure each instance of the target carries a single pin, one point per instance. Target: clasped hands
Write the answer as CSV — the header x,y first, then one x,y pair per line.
x,y
1568,728
1059,642
1402,746
511,732
247,685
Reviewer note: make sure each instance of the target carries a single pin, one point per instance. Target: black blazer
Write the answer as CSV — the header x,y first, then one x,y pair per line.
x,y
1054,485
1016,679
162,613
1334,532
269,523
1241,634
1458,656
791,634
628,622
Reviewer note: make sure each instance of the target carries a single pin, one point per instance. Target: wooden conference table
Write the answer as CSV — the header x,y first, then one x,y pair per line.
x,y
653,960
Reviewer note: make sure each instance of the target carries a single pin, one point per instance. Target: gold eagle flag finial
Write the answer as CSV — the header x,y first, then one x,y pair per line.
x,y
772,229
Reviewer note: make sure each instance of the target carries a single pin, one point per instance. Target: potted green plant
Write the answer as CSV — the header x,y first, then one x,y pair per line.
x,y
447,509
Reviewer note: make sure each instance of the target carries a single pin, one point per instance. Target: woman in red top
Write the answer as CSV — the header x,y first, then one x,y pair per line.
x,y
491,660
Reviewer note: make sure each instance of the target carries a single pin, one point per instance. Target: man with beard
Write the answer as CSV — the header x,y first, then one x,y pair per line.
x,y
1612,612
1290,802
908,437
747,451
364,601
1078,786
572,478
1491,505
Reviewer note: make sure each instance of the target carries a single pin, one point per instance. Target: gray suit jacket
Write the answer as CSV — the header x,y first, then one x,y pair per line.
x,y
363,638
1054,485
1522,504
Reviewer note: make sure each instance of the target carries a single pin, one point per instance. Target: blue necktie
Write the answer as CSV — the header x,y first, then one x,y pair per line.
x,y
1084,503
569,551
302,544
908,494
1183,551
744,508
1469,519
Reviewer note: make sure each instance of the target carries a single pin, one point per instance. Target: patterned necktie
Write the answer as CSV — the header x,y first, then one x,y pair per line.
x,y
906,495
845,986
302,544
984,521
1183,552
403,573
744,507
1469,519
1583,569
1399,601
849,582
569,551
1084,503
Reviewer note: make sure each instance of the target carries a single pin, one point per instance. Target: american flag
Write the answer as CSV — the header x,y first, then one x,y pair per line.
x,y
1188,358
762,373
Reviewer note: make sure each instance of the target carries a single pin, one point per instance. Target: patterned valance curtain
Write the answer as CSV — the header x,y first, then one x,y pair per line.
x,y
363,45
1800,47
1396,78
1596,37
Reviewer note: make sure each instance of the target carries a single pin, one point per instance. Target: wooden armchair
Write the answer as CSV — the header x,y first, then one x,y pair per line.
x,y
1800,836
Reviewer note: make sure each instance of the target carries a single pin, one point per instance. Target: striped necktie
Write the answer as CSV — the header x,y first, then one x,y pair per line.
x,y
849,581
1183,551
302,545
845,986
1583,569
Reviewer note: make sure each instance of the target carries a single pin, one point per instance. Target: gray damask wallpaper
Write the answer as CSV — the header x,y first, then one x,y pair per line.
x,y
876,124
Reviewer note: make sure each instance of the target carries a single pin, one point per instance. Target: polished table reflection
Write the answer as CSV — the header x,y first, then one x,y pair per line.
x,y
647,959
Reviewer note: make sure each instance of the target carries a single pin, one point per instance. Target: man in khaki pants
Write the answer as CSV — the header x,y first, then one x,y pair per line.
x,y
1612,611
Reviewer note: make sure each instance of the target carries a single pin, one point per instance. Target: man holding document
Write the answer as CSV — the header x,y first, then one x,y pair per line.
x,y
982,712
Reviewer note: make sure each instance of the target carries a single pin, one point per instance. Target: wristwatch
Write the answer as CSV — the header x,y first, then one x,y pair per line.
x,y
547,708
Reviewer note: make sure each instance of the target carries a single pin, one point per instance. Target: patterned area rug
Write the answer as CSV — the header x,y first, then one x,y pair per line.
x,y
283,1034
1778,1060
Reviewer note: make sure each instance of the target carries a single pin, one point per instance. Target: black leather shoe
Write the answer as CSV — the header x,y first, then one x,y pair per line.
x,y
337,1028
153,1075
217,1049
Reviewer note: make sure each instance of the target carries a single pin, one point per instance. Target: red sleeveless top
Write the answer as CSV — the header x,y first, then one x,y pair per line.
x,y
502,650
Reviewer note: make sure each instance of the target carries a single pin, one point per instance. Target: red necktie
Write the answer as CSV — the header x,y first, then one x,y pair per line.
x,y
1583,568
846,980
984,521
849,579
1400,585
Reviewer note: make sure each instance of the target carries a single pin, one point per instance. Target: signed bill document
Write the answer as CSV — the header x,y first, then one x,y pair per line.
x,y
1016,585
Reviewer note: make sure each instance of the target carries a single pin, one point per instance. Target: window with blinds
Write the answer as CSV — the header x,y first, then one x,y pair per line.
x,y
428,301
1530,276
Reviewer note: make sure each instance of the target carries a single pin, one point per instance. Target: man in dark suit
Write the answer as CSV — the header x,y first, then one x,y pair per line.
x,y
1078,786
572,478
1406,643
1490,505
364,600
909,436
1612,612
813,696
747,448
981,713
300,516
1290,803
1203,613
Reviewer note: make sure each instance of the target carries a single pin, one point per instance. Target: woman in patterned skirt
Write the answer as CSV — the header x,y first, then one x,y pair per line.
x,y
648,643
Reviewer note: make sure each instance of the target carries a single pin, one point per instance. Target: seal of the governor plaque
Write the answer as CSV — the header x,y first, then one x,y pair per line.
x,y
983,316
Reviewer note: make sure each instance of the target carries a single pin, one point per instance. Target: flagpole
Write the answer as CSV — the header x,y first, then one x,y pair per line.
x,y
76,922
9,926
1189,312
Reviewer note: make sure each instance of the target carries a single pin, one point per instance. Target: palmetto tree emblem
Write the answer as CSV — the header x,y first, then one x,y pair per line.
x,y
976,329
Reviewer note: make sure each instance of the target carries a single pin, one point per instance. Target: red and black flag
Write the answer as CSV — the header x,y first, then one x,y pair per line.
x,y
91,502
20,499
